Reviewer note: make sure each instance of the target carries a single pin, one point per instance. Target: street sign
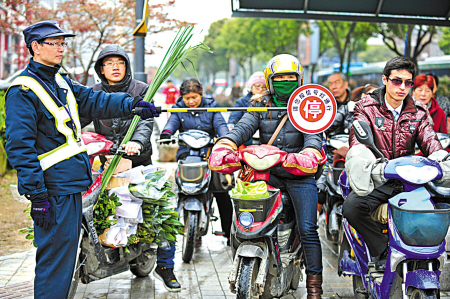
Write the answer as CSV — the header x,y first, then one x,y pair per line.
x,y
142,28
312,108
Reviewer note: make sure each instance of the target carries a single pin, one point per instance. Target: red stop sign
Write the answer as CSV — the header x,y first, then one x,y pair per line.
x,y
312,108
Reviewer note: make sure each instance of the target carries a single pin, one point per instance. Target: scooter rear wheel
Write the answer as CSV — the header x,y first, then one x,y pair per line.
x,y
190,234
145,263
248,271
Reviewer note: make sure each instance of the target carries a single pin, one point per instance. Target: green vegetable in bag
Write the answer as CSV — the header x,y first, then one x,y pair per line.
x,y
247,190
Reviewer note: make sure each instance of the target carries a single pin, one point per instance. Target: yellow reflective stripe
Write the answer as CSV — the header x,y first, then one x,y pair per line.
x,y
247,210
71,147
69,150
217,109
259,109
177,110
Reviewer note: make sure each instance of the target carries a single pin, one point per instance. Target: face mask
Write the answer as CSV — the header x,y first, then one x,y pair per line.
x,y
283,90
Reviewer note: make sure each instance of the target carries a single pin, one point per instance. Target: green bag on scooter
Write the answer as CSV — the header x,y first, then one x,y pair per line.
x,y
247,190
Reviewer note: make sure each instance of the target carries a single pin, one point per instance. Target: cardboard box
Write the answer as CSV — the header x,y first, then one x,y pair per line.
x,y
115,182
124,164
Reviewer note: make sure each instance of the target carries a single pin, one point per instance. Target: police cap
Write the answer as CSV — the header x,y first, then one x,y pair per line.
x,y
42,30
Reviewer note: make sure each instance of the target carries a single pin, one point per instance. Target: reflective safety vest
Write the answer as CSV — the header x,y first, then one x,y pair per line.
x,y
72,146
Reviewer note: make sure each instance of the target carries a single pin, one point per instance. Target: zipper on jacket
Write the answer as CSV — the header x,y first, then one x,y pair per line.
x,y
393,133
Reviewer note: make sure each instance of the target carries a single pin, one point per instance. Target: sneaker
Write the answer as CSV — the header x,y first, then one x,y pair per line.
x,y
167,276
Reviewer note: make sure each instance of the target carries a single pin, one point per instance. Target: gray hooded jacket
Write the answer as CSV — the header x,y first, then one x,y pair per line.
x,y
119,126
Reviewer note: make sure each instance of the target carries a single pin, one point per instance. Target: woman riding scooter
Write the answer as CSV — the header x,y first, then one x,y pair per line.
x,y
283,75
211,122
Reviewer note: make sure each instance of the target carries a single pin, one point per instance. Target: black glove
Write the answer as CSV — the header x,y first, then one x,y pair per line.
x,y
144,109
40,212
165,135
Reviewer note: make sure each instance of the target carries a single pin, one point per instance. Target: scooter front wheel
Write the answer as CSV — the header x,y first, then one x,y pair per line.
x,y
246,288
424,294
190,234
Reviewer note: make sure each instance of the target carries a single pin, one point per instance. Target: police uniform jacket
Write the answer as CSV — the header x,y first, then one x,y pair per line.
x,y
31,131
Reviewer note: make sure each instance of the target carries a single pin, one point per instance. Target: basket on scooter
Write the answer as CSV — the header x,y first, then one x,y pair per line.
x,y
259,207
422,228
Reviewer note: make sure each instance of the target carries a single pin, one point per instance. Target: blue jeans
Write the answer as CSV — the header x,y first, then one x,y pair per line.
x,y
165,256
303,192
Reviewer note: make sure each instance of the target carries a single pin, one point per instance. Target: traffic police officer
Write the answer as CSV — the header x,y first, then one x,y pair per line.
x,y
44,145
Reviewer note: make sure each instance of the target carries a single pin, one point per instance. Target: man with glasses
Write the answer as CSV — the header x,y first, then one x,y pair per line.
x,y
398,123
45,147
114,70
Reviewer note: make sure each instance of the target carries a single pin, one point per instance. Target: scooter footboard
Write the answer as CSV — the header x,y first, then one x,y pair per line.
x,y
422,279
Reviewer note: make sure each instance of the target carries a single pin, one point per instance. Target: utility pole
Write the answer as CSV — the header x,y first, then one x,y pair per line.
x,y
139,57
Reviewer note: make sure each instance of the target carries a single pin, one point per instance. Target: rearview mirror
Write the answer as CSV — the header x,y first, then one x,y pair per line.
x,y
364,135
363,132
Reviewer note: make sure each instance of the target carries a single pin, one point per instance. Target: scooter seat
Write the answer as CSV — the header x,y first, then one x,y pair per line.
x,y
380,213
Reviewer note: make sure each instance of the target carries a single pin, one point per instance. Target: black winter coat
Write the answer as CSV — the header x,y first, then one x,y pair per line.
x,y
289,139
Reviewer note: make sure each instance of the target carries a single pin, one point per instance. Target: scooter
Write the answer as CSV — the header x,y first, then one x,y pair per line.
x,y
194,195
416,228
333,203
94,261
268,253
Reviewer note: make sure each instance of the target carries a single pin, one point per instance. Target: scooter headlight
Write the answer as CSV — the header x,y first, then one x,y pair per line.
x,y
337,143
442,259
444,139
396,258
261,164
417,175
196,143
94,147
246,219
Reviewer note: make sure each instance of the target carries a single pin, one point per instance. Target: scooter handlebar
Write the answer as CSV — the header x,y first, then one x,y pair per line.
x,y
171,140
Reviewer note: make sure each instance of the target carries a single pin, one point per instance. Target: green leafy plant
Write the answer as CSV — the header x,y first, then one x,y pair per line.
x,y
160,222
105,207
175,55
29,231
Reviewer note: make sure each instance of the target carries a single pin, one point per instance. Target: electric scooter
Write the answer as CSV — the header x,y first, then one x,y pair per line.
x,y
416,228
268,253
193,178
94,261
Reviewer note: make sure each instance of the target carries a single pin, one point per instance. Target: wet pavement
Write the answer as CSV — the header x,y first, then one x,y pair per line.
x,y
205,277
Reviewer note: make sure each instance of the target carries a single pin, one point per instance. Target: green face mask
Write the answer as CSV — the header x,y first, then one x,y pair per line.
x,y
283,90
